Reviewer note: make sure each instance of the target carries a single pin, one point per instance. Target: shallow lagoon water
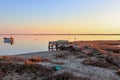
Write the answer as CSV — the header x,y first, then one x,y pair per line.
x,y
36,43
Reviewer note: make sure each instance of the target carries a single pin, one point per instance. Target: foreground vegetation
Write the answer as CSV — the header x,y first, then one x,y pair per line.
x,y
102,54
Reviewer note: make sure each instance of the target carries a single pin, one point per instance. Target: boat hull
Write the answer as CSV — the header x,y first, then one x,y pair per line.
x,y
8,40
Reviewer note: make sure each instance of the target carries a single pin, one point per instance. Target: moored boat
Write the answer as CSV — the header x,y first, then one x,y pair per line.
x,y
9,40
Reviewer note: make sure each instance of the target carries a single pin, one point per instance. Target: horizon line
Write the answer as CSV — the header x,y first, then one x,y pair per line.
x,y
59,34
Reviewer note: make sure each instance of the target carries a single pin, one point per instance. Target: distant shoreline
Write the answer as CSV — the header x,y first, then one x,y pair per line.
x,y
62,34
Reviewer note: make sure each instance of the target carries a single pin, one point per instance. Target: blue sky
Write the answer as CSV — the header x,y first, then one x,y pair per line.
x,y
71,16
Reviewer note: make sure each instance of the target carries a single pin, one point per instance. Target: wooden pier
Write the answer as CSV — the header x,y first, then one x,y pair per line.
x,y
55,45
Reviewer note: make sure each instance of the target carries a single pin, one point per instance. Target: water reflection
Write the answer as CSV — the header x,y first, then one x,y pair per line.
x,y
36,43
9,40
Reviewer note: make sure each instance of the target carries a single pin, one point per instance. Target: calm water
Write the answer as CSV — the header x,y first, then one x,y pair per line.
x,y
32,43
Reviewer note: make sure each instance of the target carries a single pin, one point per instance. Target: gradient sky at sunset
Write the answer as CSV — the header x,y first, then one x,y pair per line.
x,y
60,16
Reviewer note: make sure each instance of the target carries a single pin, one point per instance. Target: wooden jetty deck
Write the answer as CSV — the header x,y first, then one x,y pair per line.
x,y
56,44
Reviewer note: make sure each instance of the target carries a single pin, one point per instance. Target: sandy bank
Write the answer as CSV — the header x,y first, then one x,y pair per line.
x,y
74,65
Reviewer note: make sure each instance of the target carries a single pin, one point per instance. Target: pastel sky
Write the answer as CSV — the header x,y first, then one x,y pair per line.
x,y
59,16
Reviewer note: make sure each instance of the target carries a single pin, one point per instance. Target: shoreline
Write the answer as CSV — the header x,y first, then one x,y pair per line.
x,y
92,61
24,53
41,53
32,53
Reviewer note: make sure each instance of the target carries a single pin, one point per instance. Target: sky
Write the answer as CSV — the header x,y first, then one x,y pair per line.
x,y
59,16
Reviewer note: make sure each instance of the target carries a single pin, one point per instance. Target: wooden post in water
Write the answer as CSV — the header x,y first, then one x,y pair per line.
x,y
52,45
49,45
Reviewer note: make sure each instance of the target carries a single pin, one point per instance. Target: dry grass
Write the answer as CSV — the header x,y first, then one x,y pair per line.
x,y
13,64
12,58
102,46
37,70
62,54
67,76
27,62
97,62
15,59
118,72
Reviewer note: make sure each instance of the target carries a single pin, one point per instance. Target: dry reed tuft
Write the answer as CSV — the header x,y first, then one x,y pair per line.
x,y
118,72
36,69
102,46
67,76
97,62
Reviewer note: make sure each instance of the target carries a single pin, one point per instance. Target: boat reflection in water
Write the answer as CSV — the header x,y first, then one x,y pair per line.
x,y
9,40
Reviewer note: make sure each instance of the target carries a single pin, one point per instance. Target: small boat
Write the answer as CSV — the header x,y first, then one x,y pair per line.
x,y
9,40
